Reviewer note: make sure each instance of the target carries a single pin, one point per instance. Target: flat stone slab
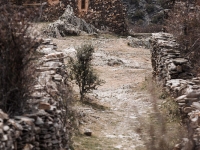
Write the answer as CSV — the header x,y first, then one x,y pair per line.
x,y
180,61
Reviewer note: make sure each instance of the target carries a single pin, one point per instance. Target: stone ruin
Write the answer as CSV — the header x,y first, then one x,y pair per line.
x,y
69,24
173,71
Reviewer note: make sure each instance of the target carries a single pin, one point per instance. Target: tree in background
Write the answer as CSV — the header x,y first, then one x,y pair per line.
x,y
16,54
82,71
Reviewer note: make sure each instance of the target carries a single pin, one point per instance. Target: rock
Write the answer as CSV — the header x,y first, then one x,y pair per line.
x,y
47,50
115,62
53,56
28,147
180,98
88,132
193,94
44,106
3,115
4,138
179,61
39,121
196,105
71,52
6,128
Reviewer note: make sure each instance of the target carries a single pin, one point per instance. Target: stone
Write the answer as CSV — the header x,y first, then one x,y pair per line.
x,y
4,138
188,109
179,61
3,115
193,94
88,132
46,41
71,52
115,62
6,128
180,98
172,67
44,106
47,50
179,68
39,121
28,147
1,123
53,56
196,105
26,120
57,77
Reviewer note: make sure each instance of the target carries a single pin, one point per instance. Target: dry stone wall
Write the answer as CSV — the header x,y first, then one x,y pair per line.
x,y
43,128
173,72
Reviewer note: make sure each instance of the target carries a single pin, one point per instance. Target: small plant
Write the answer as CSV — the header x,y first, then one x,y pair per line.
x,y
150,8
138,15
135,2
149,1
82,71
158,18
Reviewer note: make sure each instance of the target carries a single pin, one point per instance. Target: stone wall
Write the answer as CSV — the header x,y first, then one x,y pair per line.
x,y
173,72
43,127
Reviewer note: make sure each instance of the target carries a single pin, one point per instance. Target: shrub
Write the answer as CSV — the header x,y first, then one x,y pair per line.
x,y
138,15
158,18
149,1
167,4
135,2
16,53
82,71
150,8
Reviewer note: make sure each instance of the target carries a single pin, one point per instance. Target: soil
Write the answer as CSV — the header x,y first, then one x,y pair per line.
x,y
112,112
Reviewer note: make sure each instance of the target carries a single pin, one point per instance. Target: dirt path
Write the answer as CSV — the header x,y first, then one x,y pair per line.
x,y
113,115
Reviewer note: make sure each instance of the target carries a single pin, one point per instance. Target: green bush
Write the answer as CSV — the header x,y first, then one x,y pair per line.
x,y
149,1
150,8
138,15
158,18
82,71
134,2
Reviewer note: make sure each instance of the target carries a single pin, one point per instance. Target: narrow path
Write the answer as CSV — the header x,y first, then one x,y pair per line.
x,y
124,69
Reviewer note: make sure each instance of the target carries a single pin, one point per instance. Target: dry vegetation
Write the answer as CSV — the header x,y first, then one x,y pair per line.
x,y
16,54
183,23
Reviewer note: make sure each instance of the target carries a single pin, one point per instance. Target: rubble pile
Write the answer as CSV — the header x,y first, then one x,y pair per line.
x,y
173,72
44,127
69,24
